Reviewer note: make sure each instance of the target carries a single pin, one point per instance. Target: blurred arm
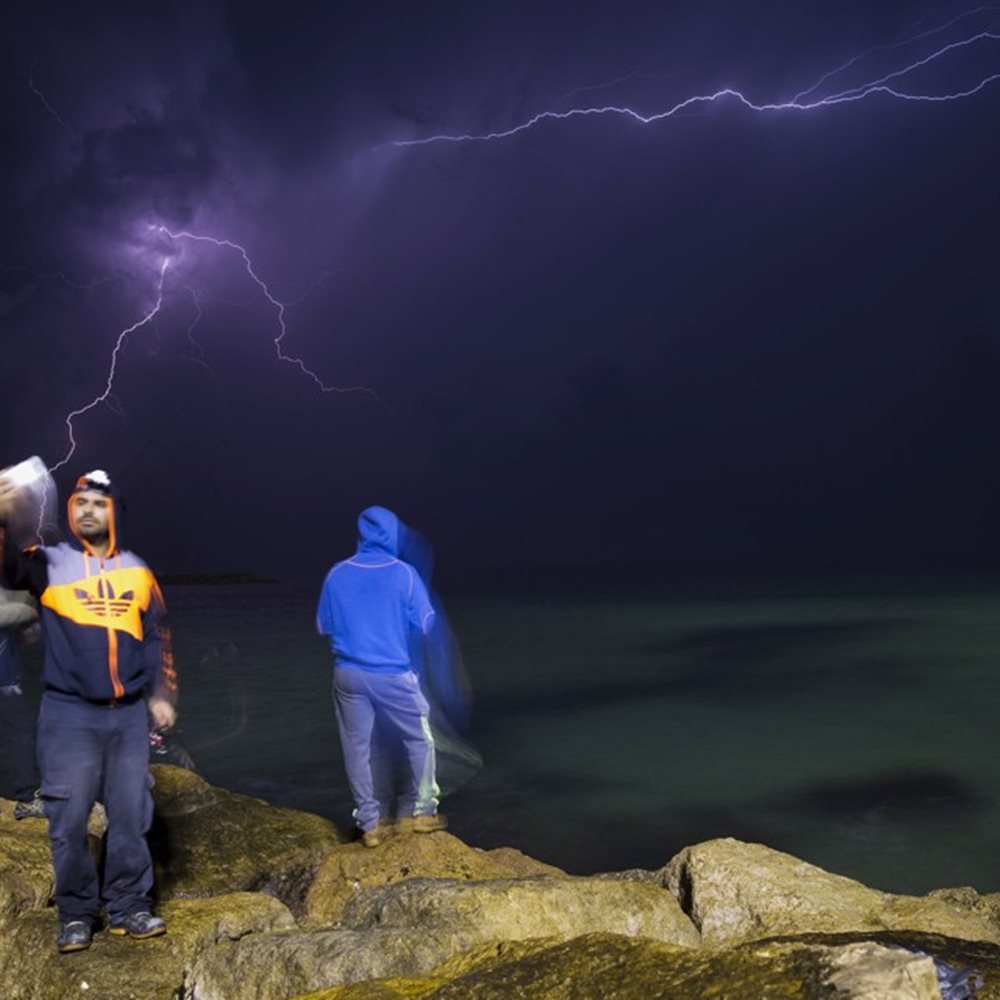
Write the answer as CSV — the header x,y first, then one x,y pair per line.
x,y
16,609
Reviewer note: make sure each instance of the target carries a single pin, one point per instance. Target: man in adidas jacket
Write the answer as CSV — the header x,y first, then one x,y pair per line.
x,y
107,676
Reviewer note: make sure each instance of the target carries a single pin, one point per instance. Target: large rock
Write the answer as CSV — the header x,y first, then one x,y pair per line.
x,y
25,864
26,877
608,967
742,892
967,900
408,928
518,863
117,968
206,841
351,869
518,908
286,964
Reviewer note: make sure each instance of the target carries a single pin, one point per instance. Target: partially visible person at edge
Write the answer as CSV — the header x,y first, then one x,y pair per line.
x,y
107,677
368,606
17,713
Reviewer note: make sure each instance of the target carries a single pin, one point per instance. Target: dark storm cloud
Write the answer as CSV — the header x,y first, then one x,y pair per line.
x,y
726,334
148,164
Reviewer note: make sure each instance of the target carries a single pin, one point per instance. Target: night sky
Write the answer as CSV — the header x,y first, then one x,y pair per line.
x,y
724,336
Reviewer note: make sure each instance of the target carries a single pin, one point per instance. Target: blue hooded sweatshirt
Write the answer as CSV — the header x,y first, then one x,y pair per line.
x,y
370,602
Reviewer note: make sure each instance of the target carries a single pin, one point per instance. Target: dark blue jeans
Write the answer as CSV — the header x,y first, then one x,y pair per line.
x,y
88,752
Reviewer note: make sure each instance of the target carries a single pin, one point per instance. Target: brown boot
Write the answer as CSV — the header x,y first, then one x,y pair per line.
x,y
424,823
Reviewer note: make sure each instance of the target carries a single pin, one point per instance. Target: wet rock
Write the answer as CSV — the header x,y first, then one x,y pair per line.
x,y
207,841
966,899
514,909
740,892
517,863
407,929
609,967
351,869
25,864
118,968
286,964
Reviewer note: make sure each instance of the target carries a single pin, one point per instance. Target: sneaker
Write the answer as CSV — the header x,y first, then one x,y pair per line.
x,y
74,935
32,809
424,823
140,925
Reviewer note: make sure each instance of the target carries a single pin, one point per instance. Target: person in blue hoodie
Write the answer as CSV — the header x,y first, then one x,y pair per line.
x,y
369,606
107,675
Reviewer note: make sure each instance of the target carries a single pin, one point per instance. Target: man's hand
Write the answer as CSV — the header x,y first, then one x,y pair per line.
x,y
163,714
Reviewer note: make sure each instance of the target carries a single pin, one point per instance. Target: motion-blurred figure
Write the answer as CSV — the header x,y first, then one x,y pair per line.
x,y
369,605
437,660
17,714
107,675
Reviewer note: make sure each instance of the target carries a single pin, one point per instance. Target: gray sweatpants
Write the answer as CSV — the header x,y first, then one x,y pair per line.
x,y
362,697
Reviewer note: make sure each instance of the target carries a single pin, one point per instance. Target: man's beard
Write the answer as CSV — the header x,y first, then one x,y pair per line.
x,y
95,537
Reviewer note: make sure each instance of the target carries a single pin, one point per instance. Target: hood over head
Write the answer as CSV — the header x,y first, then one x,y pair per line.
x,y
97,481
378,531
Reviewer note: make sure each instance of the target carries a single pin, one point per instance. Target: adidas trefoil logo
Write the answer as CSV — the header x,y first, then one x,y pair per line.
x,y
105,602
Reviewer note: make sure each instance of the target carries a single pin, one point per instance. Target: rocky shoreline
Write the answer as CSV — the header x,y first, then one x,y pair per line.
x,y
271,903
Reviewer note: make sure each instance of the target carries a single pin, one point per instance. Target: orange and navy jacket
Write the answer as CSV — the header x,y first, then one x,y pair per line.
x,y
104,621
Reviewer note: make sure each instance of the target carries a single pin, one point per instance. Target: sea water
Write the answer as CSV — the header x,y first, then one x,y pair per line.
x,y
850,723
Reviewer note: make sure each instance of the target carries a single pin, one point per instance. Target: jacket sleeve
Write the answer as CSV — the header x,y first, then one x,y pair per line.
x,y
22,569
158,650
421,612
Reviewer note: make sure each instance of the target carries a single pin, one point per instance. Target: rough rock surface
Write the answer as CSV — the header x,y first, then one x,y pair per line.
x,y
25,864
742,892
967,900
352,868
518,863
206,841
609,967
116,968
426,916
408,928
514,909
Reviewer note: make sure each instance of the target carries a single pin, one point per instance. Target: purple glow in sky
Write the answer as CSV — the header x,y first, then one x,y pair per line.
x,y
764,315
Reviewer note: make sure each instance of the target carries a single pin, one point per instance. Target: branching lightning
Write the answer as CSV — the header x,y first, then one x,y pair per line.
x,y
887,85
106,396
197,351
911,40
819,95
279,306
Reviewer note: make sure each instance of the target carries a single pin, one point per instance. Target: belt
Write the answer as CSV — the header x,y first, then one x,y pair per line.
x,y
123,702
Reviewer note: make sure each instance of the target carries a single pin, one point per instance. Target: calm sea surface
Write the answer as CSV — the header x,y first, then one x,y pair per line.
x,y
851,724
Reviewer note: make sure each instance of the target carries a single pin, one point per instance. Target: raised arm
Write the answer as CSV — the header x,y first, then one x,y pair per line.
x,y
19,570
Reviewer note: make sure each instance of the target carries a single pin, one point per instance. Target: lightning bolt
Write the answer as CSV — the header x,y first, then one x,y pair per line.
x,y
197,351
886,85
113,367
811,98
279,306
107,397
890,46
33,87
